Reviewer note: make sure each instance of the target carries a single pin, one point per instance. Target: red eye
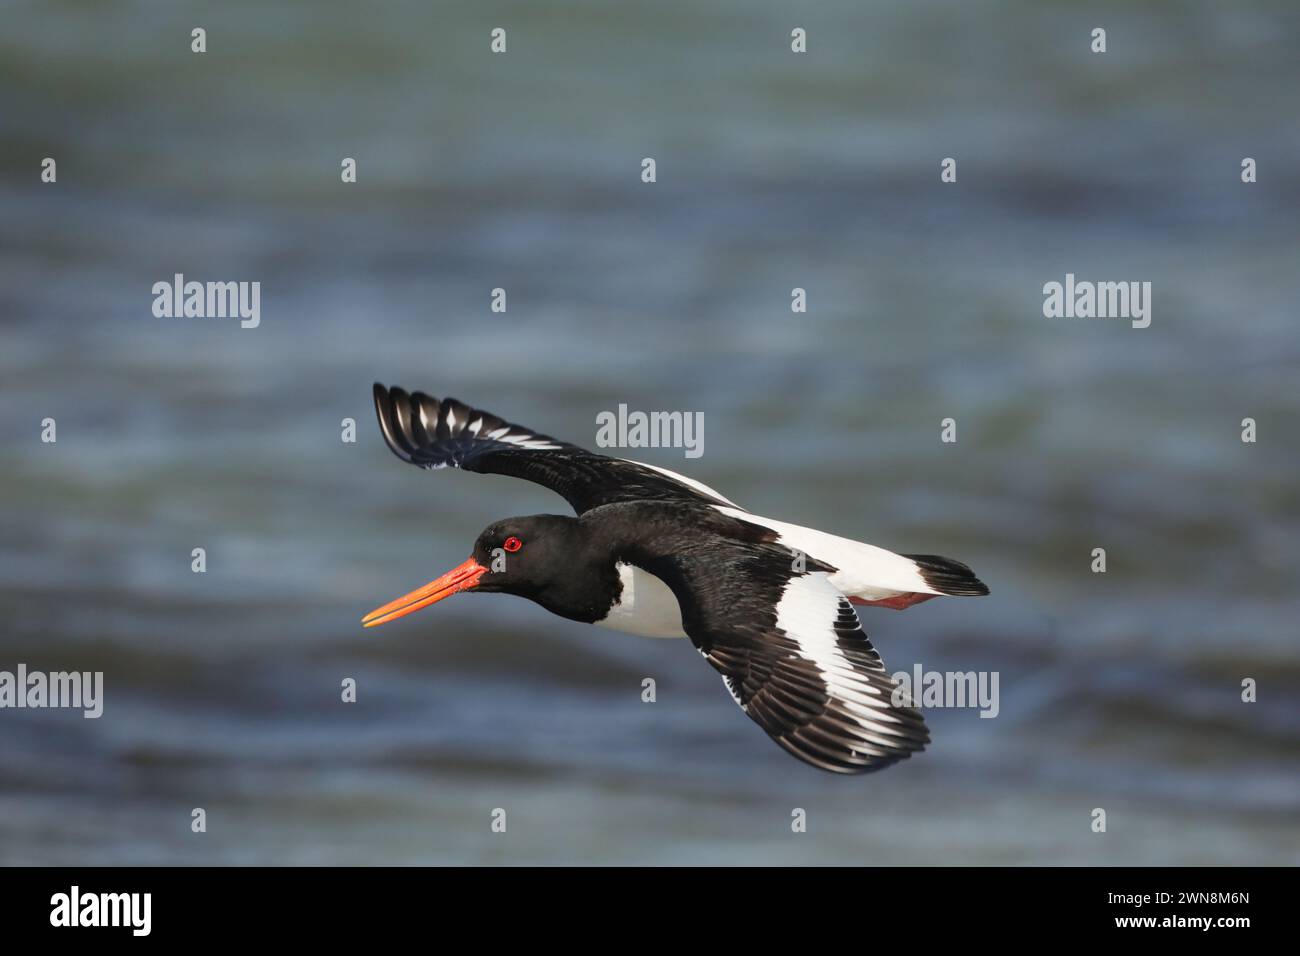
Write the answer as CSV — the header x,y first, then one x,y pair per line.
x,y
513,544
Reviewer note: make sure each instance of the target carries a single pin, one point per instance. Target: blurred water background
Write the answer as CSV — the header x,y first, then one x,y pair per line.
x,y
776,170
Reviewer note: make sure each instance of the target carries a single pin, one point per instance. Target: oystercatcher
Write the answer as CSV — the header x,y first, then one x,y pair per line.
x,y
654,553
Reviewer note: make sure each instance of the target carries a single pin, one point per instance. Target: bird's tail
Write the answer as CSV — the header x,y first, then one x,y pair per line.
x,y
946,576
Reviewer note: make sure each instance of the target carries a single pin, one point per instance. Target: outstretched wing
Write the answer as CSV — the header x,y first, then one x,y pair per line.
x,y
793,655
435,433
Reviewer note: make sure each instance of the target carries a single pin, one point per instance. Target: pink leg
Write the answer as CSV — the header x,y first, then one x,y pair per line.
x,y
899,602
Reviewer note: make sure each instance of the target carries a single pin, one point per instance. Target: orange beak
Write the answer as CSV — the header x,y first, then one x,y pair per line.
x,y
457,579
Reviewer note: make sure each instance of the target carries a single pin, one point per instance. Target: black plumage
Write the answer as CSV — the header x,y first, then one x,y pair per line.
x,y
448,433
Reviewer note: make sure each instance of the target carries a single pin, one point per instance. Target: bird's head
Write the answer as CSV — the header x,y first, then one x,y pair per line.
x,y
536,557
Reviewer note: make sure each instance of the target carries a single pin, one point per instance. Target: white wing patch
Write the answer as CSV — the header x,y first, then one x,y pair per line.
x,y
689,483
807,612
523,440
864,570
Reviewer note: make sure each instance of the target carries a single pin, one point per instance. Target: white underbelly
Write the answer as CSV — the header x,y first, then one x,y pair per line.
x,y
646,606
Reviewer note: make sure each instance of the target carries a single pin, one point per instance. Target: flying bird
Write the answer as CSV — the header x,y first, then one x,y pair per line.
x,y
651,552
